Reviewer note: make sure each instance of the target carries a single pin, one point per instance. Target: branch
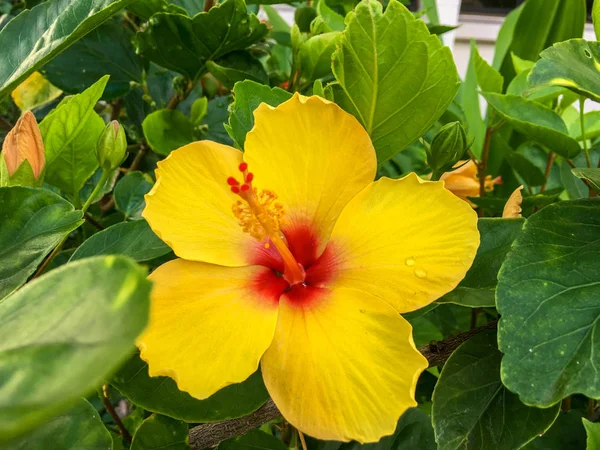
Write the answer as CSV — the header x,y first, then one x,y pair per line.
x,y
211,434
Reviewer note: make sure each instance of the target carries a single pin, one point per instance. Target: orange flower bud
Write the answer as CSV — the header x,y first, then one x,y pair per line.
x,y
24,143
464,182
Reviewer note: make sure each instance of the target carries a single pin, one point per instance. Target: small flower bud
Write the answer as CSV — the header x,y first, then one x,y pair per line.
x,y
23,159
447,147
111,146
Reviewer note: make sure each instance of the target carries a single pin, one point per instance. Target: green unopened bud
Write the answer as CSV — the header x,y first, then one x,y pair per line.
x,y
447,147
111,146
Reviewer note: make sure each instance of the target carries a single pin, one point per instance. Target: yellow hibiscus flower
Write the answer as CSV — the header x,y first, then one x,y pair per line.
x,y
292,257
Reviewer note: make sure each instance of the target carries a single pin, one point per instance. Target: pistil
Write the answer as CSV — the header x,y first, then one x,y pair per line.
x,y
260,216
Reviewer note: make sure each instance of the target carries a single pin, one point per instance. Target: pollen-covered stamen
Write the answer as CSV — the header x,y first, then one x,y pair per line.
x,y
261,215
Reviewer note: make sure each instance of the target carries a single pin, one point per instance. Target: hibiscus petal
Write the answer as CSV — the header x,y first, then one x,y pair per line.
x,y
405,241
209,325
190,206
342,366
314,156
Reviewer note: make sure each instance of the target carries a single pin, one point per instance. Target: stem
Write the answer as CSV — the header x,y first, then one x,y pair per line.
x,y
549,163
302,440
93,221
176,99
110,410
582,121
209,4
117,106
590,408
50,257
5,124
97,189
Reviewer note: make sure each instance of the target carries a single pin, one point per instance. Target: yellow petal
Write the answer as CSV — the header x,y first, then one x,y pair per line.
x,y
342,366
512,208
209,325
190,206
314,156
405,241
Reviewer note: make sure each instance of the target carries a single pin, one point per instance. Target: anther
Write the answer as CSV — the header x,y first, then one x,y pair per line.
x,y
235,189
249,177
243,167
245,187
232,181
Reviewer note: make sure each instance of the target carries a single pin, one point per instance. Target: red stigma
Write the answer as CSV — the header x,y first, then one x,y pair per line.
x,y
243,167
245,187
249,177
232,181
235,189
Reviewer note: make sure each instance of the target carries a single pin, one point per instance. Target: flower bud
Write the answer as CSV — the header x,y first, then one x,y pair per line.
x,y
111,146
447,147
23,159
464,182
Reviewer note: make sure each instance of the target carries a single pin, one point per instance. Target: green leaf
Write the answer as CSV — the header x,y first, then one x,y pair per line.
x,y
185,44
199,110
161,395
593,434
129,194
215,119
591,126
396,91
591,175
468,97
575,188
237,66
506,36
144,9
51,28
70,133
80,428
488,78
333,20
414,431
167,130
572,64
566,433
106,50
549,298
478,287
84,316
133,239
315,55
160,432
596,18
473,409
32,223
247,96
279,28
535,121
253,440
529,172
540,24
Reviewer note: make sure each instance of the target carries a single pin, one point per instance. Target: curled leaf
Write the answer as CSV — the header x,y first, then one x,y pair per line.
x,y
512,209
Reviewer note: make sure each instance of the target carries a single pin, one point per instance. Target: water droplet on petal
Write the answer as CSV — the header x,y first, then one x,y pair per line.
x,y
420,273
410,262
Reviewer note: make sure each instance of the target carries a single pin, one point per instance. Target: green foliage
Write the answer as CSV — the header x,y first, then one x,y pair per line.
x,y
473,409
548,296
159,432
79,428
48,325
161,395
396,91
156,75
32,223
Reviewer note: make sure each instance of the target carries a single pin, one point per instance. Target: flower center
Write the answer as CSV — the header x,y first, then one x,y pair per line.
x,y
261,215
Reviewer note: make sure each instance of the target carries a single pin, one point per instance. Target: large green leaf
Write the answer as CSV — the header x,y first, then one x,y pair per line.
x,y
478,287
567,432
392,75
70,133
36,36
167,130
129,194
572,64
106,50
133,239
80,428
540,24
253,440
184,44
592,430
213,124
505,37
159,433
536,121
32,223
488,78
315,55
161,395
468,97
591,175
549,297
596,18
63,334
473,409
248,95
237,66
